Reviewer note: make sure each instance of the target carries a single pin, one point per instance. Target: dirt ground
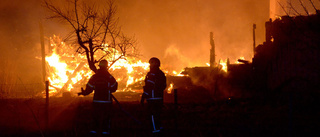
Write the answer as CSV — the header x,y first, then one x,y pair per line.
x,y
70,117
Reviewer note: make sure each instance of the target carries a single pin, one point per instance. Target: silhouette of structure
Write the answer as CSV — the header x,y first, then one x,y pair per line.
x,y
212,51
289,58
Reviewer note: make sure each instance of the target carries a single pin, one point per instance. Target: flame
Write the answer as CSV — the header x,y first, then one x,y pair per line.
x,y
131,71
64,69
223,65
68,71
169,90
237,62
174,73
60,70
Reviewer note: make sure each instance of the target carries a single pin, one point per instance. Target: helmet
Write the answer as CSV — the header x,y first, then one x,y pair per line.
x,y
155,60
103,63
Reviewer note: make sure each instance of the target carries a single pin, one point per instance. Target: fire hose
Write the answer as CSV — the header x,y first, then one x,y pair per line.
x,y
115,99
127,113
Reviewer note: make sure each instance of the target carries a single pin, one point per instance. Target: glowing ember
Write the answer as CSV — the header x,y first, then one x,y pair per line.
x,y
169,90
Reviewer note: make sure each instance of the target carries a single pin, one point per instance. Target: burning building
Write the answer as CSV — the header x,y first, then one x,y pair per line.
x,y
202,82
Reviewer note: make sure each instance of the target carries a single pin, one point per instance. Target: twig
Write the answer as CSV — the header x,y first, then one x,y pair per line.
x,y
294,8
313,5
283,8
305,9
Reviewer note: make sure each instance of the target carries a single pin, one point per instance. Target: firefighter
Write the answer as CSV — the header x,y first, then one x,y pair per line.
x,y
103,83
155,84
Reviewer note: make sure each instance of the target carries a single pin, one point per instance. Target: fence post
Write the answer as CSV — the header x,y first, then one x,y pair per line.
x,y
175,92
47,105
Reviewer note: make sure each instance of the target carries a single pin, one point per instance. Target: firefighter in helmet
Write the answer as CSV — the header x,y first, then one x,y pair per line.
x,y
155,84
103,83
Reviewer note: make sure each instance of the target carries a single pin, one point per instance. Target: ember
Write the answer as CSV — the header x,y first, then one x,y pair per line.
x,y
170,88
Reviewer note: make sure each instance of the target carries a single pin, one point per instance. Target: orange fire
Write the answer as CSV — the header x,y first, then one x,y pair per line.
x,y
67,70
223,65
169,90
237,62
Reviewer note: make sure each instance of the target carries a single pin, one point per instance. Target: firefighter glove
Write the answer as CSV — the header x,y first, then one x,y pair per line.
x,y
81,93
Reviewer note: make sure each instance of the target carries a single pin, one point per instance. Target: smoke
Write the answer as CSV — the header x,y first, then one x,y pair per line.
x,y
188,23
173,58
19,36
20,40
176,31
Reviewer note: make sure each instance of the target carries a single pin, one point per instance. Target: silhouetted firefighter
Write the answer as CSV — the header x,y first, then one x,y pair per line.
x,y
155,84
104,84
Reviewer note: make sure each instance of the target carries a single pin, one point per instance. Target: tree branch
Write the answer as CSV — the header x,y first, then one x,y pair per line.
x,y
93,29
314,7
305,9
293,8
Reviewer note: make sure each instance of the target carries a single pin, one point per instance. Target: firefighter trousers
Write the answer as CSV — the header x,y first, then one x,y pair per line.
x,y
101,117
154,113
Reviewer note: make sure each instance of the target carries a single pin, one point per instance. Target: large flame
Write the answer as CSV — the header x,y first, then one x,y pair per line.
x,y
64,68
131,71
68,71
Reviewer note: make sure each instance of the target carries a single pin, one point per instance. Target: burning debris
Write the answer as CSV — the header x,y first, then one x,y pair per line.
x,y
68,71
212,79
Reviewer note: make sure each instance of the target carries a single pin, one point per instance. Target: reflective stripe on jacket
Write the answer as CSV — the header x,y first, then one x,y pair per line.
x,y
155,84
103,83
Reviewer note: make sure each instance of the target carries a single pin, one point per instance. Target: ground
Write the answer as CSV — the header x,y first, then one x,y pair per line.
x,y
70,117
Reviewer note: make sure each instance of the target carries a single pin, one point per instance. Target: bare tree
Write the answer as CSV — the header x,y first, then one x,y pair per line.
x,y
95,30
302,5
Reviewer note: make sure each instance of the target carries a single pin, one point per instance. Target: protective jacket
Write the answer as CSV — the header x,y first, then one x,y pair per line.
x,y
104,84
155,84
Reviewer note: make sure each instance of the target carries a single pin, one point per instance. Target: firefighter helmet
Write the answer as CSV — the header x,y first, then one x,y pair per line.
x,y
103,63
155,60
